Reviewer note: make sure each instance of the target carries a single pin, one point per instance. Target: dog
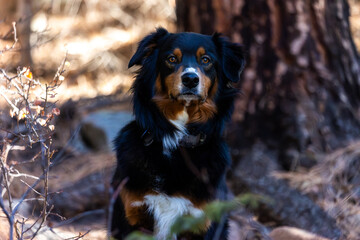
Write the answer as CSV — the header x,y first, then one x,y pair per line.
x,y
172,159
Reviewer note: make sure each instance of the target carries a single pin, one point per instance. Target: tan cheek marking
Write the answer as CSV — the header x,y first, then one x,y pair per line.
x,y
177,78
205,82
169,107
173,82
158,88
177,52
169,81
214,88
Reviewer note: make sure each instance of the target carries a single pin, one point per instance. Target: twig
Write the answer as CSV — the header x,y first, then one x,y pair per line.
x,y
79,216
114,196
15,40
26,194
2,206
10,132
9,102
18,174
20,236
60,69
36,221
38,193
78,237
6,76
38,131
220,227
45,161
3,178
4,154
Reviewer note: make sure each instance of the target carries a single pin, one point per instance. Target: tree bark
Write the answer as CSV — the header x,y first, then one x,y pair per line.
x,y
24,15
301,84
300,88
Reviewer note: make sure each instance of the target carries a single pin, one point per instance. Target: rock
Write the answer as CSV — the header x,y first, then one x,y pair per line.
x,y
291,233
98,130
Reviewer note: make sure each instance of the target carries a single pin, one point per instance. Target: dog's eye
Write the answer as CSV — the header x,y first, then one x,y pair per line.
x,y
172,59
205,60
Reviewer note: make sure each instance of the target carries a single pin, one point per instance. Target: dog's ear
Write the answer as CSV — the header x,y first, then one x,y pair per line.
x,y
231,56
147,46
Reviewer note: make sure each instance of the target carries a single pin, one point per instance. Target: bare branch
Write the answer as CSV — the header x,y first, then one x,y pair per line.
x,y
18,174
79,237
15,40
79,216
34,190
37,123
113,198
9,102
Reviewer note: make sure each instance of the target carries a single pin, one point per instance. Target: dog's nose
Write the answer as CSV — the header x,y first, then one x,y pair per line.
x,y
190,80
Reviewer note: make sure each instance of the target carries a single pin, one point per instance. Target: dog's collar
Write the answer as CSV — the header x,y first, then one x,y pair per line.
x,y
188,141
191,141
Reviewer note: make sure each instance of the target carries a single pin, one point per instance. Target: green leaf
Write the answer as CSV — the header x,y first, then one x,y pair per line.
x,y
253,201
216,209
137,235
189,223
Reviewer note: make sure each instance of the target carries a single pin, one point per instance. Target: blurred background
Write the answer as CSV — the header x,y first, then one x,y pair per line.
x,y
294,135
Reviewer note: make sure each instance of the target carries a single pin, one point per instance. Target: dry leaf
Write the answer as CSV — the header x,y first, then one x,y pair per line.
x,y
41,121
56,111
28,74
22,114
37,102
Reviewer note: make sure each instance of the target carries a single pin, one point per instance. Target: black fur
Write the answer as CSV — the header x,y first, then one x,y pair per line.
x,y
142,165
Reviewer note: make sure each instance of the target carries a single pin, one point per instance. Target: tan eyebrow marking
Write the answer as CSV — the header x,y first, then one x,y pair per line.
x,y
177,52
200,52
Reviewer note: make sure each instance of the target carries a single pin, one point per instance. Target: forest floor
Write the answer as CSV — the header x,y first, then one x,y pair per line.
x,y
99,38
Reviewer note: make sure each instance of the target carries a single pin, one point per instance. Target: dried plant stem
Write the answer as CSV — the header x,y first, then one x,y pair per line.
x,y
37,119
15,40
16,109
114,195
46,161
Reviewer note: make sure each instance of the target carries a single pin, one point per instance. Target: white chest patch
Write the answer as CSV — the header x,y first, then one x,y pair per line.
x,y
166,210
171,142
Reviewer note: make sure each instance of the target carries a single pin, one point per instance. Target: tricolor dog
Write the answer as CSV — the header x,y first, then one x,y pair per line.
x,y
172,159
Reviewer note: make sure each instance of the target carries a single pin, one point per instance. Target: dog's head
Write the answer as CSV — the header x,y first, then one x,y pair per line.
x,y
186,71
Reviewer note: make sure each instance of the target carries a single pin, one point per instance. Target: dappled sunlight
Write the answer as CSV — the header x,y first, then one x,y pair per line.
x,y
98,37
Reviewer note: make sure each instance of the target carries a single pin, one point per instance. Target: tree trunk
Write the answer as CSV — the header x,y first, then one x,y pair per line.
x,y
301,84
24,15
19,11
